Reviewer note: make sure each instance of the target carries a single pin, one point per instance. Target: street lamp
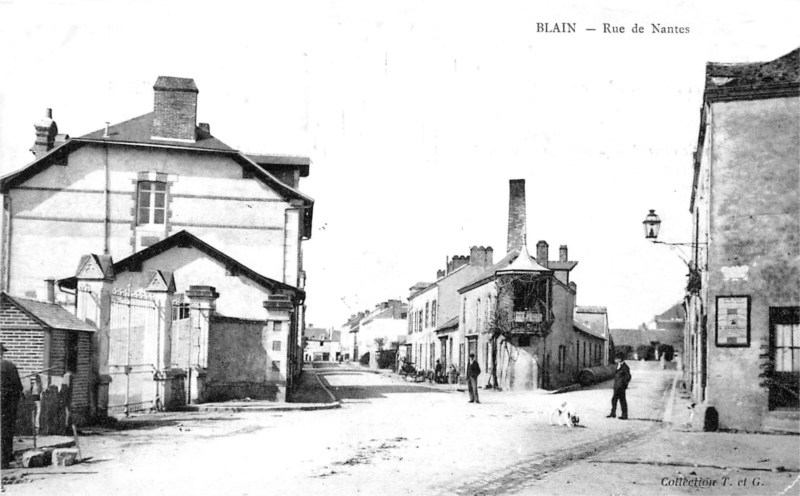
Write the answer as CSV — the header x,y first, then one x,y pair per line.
x,y
652,224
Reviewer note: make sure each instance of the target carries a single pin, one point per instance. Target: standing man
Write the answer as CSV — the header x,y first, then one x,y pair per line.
x,y
622,377
473,371
10,392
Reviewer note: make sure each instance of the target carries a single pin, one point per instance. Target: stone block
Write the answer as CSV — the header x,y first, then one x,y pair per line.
x,y
36,458
64,457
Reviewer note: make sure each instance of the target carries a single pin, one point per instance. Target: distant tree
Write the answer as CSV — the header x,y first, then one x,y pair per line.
x,y
667,351
645,352
624,349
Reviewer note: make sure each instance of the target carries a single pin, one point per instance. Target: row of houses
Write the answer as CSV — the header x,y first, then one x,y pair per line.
x,y
323,345
518,316
189,283
665,330
371,332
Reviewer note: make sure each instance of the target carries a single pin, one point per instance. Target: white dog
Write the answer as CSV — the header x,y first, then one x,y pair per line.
x,y
567,415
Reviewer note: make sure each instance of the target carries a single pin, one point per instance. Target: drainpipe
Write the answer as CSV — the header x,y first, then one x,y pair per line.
x,y
5,240
106,223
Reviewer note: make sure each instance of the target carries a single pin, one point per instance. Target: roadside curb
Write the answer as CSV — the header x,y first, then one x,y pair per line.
x,y
668,409
262,407
66,444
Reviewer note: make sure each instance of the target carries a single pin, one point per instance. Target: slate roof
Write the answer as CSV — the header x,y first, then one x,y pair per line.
x,y
450,324
628,337
420,289
675,313
49,315
746,81
140,130
523,263
316,334
508,260
590,309
594,318
175,84
184,239
583,327
278,161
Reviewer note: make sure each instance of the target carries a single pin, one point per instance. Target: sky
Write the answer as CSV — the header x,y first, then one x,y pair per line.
x,y
416,115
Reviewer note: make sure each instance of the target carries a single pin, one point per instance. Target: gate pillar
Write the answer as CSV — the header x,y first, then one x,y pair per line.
x,y
202,304
280,308
161,287
95,277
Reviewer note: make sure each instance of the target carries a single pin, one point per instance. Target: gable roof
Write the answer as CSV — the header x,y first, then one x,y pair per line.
x,y
595,318
587,329
675,313
184,239
136,132
49,315
384,313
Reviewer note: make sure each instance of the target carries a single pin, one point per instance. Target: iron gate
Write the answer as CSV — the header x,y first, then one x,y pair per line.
x,y
133,352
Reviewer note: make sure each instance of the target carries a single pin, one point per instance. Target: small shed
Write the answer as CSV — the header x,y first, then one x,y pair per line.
x,y
52,350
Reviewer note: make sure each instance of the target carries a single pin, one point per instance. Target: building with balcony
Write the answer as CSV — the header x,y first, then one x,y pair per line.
x,y
517,316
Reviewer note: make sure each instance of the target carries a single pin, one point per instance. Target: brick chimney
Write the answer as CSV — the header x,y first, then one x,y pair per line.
x,y
542,253
516,214
175,109
489,256
50,286
46,131
562,253
456,262
476,255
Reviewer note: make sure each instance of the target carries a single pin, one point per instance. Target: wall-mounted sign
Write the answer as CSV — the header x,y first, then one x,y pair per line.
x,y
737,273
733,321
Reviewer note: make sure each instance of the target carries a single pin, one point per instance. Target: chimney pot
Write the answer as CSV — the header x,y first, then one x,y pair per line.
x,y
50,283
562,253
46,131
542,253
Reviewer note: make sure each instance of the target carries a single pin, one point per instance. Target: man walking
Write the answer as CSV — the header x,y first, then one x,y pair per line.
x,y
622,377
473,371
10,392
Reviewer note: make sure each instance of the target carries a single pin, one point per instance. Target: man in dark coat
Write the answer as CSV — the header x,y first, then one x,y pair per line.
x,y
473,371
10,393
622,376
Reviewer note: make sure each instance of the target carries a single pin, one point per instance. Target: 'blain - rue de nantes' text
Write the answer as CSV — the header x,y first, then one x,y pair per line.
x,y
609,28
